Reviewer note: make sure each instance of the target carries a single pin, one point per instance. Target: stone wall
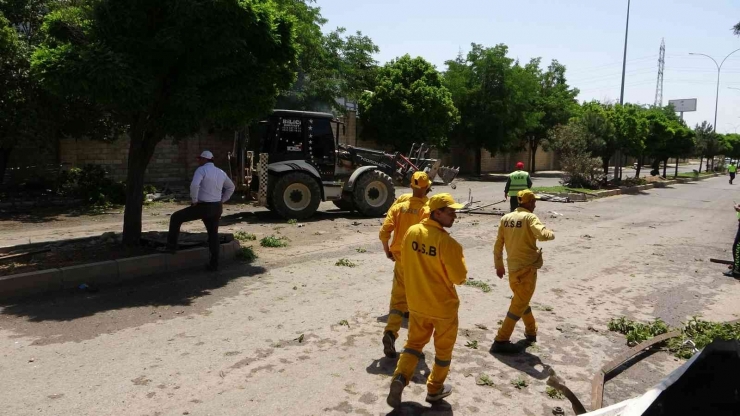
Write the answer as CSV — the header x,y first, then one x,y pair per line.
x,y
173,162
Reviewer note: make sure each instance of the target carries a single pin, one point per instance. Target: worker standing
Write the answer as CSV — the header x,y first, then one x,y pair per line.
x,y
519,180
398,220
732,170
519,232
210,188
433,263
735,268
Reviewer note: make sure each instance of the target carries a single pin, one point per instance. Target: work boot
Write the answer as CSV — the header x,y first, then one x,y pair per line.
x,y
394,396
731,273
446,391
530,338
504,347
389,344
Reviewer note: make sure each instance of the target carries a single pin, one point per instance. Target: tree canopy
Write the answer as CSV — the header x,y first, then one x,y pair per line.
x,y
409,105
167,68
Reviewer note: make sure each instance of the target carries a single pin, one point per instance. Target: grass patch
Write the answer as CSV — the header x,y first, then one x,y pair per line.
x,y
479,284
361,250
242,236
695,334
485,380
554,393
694,175
274,242
246,254
345,263
519,383
344,322
472,344
560,190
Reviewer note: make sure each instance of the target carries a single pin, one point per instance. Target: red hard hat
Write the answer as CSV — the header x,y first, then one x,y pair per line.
x,y
519,165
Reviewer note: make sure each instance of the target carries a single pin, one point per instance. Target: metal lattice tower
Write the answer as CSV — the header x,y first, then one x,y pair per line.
x,y
661,68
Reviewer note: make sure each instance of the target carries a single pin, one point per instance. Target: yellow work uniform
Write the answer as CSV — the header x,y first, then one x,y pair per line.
x,y
433,263
398,220
519,232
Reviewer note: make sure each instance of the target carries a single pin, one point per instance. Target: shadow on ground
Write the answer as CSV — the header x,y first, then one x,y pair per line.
x,y
268,217
524,362
415,409
176,289
387,366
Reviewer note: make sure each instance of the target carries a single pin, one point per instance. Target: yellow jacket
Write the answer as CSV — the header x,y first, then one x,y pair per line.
x,y
406,197
433,263
519,232
398,220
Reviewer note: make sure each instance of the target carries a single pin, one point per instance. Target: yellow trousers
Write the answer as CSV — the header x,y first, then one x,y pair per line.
x,y
522,283
398,300
420,332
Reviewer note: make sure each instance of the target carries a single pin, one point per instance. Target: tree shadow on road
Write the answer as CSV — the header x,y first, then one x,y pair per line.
x,y
268,217
171,290
415,409
387,366
524,362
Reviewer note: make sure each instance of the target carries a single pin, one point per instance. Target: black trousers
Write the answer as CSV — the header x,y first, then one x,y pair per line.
x,y
736,250
513,203
732,176
209,213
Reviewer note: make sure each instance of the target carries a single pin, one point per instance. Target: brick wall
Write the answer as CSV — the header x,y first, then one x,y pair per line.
x,y
174,161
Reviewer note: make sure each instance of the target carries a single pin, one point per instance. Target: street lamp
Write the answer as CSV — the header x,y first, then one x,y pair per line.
x,y
719,68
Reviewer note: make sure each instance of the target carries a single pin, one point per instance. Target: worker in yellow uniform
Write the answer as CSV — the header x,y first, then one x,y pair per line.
x,y
732,170
398,220
519,180
519,232
433,264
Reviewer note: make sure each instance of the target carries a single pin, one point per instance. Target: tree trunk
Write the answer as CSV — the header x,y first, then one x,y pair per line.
x,y
140,153
4,157
605,164
675,174
478,160
533,144
701,160
665,165
639,166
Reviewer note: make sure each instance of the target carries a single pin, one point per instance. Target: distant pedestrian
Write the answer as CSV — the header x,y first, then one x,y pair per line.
x,y
211,187
519,180
732,170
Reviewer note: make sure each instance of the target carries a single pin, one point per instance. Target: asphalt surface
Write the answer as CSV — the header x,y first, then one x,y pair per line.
x,y
295,334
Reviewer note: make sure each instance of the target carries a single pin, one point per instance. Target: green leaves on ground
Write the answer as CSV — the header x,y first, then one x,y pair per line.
x,y
519,383
554,393
485,380
345,263
274,242
695,334
246,254
244,236
479,284
472,344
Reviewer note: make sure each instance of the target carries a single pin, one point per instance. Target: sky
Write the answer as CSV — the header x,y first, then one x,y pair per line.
x,y
587,36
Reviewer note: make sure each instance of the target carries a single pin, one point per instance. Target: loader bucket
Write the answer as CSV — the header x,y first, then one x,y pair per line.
x,y
448,174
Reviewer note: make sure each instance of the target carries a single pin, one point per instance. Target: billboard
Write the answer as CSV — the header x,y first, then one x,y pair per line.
x,y
685,105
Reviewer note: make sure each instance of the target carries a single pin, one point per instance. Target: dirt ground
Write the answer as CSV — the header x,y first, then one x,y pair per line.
x,y
295,334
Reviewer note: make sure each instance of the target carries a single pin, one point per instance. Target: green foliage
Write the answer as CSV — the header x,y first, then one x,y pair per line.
x,y
472,345
246,254
244,236
574,145
637,332
485,380
274,242
519,383
554,393
697,334
494,95
345,263
167,68
91,184
344,322
633,182
479,284
408,105
361,250
292,221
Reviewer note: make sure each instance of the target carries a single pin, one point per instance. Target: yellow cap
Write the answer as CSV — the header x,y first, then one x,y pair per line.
x,y
525,196
443,200
420,180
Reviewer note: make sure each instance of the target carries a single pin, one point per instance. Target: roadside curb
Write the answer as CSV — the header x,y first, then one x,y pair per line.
x,y
625,190
109,272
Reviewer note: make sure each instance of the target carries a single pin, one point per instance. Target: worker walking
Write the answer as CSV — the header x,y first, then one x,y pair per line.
x,y
732,170
398,220
433,264
210,188
519,232
519,180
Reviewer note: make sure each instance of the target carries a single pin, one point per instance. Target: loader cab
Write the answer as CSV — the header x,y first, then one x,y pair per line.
x,y
302,135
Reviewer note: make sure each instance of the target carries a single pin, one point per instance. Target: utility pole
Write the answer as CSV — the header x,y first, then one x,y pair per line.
x,y
618,161
661,69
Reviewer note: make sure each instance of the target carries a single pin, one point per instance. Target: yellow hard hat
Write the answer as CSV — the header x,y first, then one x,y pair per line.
x,y
442,201
525,196
420,180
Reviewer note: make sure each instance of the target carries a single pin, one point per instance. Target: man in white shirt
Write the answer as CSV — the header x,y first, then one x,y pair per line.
x,y
211,187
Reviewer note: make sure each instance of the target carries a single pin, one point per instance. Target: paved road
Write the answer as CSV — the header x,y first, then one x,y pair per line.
x,y
266,339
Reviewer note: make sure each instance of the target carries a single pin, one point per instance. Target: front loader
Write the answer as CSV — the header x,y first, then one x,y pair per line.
x,y
301,163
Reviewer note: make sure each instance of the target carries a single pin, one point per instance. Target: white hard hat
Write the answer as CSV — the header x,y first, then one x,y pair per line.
x,y
206,155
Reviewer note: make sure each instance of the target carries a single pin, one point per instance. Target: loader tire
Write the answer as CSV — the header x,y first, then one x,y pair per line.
x,y
296,195
374,193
